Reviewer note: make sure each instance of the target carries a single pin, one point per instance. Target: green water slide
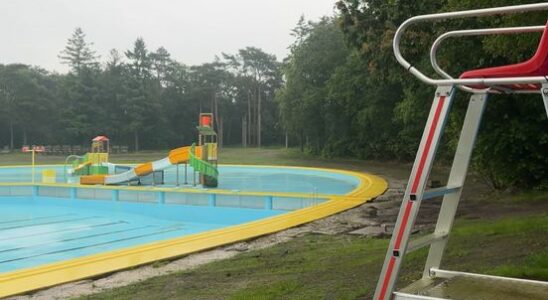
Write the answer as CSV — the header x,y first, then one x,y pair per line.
x,y
81,165
210,172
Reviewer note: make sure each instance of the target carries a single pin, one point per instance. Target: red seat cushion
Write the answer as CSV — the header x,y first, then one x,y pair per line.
x,y
535,66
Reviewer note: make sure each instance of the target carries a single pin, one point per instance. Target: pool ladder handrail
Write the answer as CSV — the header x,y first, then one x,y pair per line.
x,y
66,163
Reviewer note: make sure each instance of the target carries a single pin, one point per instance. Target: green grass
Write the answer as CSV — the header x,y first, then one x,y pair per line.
x,y
346,267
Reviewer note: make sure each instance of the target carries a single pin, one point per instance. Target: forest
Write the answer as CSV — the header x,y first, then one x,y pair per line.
x,y
339,92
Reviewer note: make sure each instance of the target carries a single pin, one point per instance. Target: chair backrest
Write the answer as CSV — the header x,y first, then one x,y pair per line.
x,y
540,59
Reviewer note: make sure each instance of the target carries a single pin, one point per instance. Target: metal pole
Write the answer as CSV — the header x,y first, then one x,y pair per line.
x,y
33,172
177,177
186,174
544,93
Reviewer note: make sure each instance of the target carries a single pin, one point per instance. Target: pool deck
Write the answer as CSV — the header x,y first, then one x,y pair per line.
x,y
16,282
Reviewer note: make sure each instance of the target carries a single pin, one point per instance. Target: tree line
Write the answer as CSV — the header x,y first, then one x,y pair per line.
x,y
339,93
345,95
140,98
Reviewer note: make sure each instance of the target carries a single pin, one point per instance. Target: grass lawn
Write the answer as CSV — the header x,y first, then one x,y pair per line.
x,y
346,266
503,242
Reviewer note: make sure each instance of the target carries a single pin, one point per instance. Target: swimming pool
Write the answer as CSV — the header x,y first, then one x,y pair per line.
x,y
57,232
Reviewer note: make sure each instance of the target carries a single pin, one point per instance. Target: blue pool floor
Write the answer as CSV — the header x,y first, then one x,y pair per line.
x,y
33,234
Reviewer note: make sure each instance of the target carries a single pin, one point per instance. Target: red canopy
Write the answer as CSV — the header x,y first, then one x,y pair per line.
x,y
100,138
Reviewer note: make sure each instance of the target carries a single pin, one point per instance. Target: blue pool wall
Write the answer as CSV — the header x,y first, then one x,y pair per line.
x,y
162,212
169,197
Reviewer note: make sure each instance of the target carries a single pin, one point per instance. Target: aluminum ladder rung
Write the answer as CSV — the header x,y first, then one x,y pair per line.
x,y
433,193
439,273
405,296
423,241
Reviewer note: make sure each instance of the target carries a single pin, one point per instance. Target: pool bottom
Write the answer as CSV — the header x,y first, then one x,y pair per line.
x,y
20,281
38,231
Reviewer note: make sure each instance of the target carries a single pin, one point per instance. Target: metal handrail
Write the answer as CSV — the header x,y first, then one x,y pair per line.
x,y
476,32
463,14
66,163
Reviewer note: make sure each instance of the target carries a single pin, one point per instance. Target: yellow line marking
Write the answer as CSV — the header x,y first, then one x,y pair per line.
x,y
25,280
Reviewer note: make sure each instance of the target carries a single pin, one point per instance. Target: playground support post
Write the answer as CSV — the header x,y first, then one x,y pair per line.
x,y
33,161
186,174
177,175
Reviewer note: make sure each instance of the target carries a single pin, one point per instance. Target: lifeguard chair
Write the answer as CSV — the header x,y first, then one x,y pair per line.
x,y
530,76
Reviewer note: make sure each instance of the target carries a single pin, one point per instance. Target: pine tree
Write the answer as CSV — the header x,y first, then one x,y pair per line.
x,y
139,60
78,53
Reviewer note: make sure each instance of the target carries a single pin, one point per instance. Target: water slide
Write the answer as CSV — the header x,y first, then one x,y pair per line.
x,y
188,154
80,166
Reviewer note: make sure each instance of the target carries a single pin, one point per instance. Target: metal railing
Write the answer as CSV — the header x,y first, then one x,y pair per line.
x,y
448,80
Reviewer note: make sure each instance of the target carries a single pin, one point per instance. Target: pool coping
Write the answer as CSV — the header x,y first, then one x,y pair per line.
x,y
16,282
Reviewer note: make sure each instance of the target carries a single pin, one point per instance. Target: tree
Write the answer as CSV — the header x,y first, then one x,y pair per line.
x,y
7,99
317,52
78,53
262,73
140,107
140,62
160,61
506,134
208,81
27,97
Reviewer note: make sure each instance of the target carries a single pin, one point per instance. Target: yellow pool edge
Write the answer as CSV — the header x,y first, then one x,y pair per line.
x,y
17,282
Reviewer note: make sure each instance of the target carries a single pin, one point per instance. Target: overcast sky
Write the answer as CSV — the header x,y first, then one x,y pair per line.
x,y
34,32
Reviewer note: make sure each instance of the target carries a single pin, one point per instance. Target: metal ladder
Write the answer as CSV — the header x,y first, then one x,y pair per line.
x,y
416,191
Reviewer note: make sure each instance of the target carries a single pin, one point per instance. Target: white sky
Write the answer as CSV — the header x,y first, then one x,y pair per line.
x,y
34,32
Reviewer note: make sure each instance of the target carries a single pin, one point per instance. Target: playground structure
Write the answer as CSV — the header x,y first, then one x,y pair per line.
x,y
527,77
93,162
94,168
